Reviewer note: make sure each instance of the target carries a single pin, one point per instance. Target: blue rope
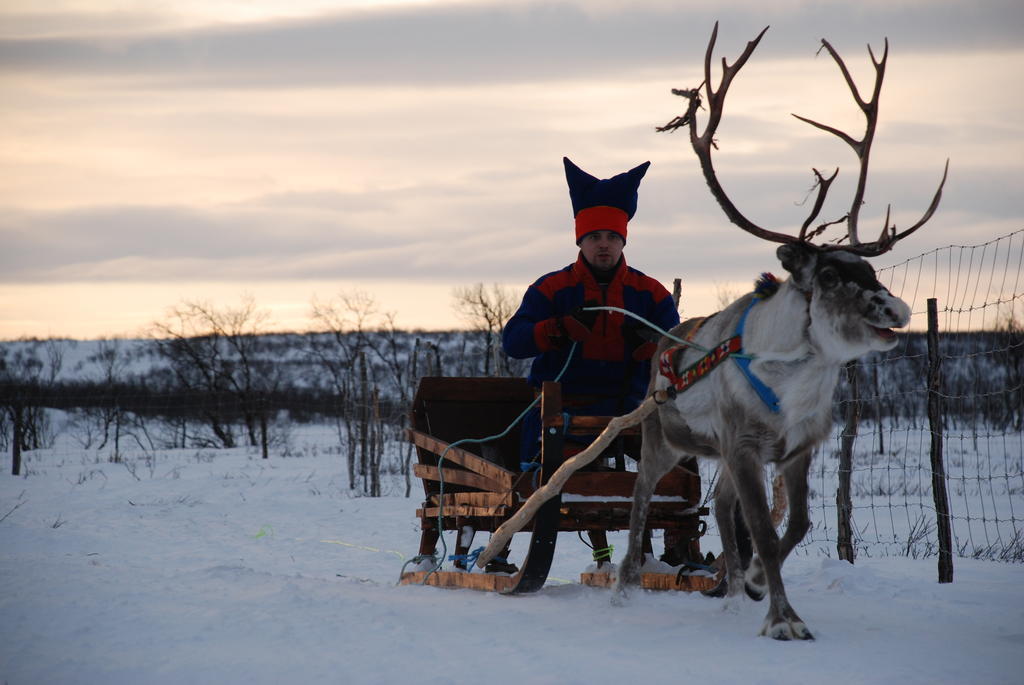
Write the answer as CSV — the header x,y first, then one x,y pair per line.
x,y
534,468
470,558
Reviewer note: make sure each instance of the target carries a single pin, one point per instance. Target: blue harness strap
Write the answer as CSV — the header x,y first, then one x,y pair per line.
x,y
766,394
765,287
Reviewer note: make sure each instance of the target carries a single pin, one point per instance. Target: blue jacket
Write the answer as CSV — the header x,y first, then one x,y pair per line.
x,y
603,365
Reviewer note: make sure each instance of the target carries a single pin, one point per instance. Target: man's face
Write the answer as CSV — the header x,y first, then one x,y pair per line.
x,y
602,249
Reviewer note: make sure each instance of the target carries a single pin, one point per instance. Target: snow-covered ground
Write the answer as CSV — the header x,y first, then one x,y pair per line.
x,y
198,566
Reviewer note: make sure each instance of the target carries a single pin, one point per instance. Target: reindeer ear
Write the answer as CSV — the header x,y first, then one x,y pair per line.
x,y
799,260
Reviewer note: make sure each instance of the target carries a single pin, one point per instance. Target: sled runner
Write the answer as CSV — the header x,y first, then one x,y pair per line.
x,y
478,486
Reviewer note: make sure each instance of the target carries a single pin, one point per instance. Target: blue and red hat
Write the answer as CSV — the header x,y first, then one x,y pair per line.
x,y
602,204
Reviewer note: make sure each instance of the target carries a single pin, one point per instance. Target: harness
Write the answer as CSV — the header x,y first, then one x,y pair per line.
x,y
765,287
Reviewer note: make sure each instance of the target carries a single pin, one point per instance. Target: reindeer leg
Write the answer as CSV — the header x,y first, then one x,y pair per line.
x,y
655,461
782,622
736,546
726,506
794,477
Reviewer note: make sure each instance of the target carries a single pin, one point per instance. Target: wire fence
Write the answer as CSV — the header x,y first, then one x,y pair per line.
x,y
981,356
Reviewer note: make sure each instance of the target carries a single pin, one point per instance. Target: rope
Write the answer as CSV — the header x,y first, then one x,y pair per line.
x,y
469,559
653,326
649,324
598,553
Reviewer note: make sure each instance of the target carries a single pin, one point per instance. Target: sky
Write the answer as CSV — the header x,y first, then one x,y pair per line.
x,y
153,153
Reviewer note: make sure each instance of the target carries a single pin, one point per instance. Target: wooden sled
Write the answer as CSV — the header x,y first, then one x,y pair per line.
x,y
483,485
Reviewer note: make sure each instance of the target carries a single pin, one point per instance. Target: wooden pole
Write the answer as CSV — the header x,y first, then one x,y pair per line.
x,y
16,440
878,409
844,503
556,482
942,521
264,441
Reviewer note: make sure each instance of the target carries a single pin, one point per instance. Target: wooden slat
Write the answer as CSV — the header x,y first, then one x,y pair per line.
x,y
463,458
669,581
455,476
463,510
621,483
680,481
591,425
490,390
655,509
597,483
576,518
475,499
654,581
491,582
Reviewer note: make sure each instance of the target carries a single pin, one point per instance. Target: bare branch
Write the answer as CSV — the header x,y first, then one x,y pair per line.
x,y
702,143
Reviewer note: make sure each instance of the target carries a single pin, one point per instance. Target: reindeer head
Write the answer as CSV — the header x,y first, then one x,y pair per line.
x,y
851,313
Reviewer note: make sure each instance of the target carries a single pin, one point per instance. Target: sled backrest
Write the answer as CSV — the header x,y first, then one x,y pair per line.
x,y
453,409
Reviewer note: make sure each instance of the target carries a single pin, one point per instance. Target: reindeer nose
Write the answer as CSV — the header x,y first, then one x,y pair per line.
x,y
882,307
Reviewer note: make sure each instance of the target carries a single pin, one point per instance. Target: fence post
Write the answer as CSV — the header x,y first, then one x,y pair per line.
x,y
844,503
942,521
16,440
264,441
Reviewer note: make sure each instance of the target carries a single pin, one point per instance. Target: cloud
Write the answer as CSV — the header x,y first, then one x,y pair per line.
x,y
423,143
425,234
481,43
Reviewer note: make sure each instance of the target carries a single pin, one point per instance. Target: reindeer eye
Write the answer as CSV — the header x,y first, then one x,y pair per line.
x,y
828,277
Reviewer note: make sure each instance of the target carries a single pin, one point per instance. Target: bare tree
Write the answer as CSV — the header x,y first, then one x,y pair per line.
x,y
373,370
109,417
215,353
24,373
340,338
486,310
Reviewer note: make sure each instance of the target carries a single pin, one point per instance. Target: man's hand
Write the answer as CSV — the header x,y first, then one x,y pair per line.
x,y
557,331
641,340
578,324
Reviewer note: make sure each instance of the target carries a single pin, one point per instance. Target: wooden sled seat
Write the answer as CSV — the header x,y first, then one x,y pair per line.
x,y
478,486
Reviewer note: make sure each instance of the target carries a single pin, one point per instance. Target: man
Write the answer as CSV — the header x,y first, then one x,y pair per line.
x,y
610,366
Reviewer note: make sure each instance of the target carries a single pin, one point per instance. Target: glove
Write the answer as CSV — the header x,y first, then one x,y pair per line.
x,y
556,332
643,341
578,324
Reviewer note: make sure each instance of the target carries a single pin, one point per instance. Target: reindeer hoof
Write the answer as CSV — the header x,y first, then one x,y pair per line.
x,y
786,630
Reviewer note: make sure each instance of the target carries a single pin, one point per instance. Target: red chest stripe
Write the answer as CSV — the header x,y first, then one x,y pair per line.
x,y
700,368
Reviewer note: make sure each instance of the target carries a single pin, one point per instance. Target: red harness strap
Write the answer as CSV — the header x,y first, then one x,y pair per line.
x,y
700,368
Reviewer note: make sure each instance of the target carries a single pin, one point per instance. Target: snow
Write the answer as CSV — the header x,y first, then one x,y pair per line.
x,y
221,567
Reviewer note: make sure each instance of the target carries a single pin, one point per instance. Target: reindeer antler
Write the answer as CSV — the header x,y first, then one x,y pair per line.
x,y
703,142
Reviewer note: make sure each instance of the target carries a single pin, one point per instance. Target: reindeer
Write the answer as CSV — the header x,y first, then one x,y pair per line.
x,y
830,310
